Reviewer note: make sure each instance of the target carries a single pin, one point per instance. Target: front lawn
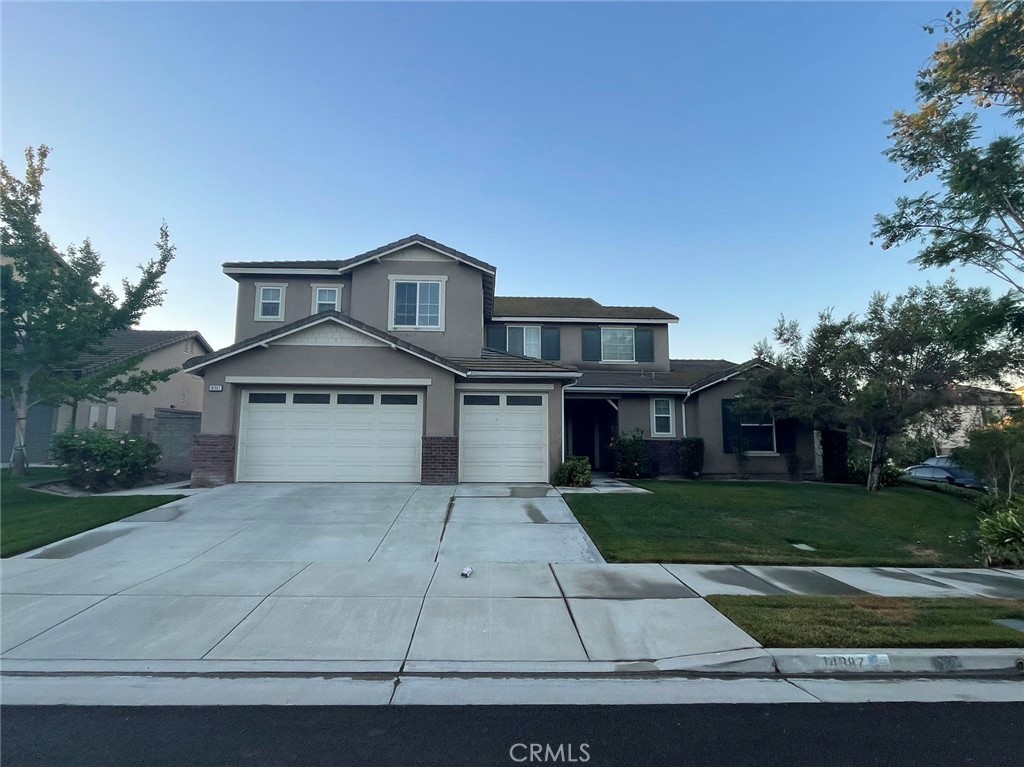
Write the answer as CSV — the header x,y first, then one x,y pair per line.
x,y
29,519
758,523
792,621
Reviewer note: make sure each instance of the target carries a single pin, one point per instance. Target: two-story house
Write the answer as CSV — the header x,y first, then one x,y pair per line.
x,y
402,365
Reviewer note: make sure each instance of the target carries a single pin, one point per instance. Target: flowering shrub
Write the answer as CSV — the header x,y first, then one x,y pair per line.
x,y
97,460
631,459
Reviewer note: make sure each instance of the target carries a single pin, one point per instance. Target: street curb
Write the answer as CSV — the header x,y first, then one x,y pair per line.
x,y
753,662
896,661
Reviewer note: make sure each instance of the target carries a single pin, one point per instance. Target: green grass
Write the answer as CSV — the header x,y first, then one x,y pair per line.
x,y
29,519
792,621
757,523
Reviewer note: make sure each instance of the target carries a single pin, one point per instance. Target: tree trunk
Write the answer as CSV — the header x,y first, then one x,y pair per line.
x,y
877,461
19,462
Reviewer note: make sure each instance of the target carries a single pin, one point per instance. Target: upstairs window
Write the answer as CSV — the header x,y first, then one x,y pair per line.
x,y
617,345
524,340
326,299
270,302
417,304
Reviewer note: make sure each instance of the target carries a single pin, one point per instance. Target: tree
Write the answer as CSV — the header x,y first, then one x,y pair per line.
x,y
977,218
54,309
877,374
996,453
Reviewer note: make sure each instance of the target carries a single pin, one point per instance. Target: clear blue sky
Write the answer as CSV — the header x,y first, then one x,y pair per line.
x,y
721,161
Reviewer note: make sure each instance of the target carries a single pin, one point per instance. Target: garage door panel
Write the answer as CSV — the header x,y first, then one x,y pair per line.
x,y
297,441
503,442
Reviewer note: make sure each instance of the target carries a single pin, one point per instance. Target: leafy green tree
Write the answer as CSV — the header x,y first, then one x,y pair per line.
x,y
996,453
880,373
977,216
54,309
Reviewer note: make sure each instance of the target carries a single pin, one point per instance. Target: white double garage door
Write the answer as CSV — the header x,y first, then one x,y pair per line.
x,y
376,436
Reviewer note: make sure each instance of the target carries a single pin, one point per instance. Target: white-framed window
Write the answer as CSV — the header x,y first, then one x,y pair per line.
x,y
270,302
94,416
326,298
111,417
759,437
416,302
663,422
524,340
617,345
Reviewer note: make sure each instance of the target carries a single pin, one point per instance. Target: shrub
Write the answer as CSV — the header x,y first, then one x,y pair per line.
x,y
691,457
988,505
860,464
970,496
98,460
1002,537
631,459
574,472
793,466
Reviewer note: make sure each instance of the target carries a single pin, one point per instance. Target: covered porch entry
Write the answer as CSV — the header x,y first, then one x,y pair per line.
x,y
590,425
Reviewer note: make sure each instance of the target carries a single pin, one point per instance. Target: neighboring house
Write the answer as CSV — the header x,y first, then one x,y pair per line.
x,y
402,365
972,407
162,350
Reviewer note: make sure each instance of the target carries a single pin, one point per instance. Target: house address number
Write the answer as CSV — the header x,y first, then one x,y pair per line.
x,y
855,662
216,387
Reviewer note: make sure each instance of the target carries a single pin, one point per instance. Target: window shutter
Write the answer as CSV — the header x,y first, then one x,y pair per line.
x,y
643,338
730,426
550,344
592,344
785,435
496,337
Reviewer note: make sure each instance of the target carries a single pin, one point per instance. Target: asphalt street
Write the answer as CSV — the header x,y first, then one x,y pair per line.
x,y
895,734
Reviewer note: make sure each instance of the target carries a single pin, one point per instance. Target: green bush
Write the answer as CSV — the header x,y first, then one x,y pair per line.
x,y
858,474
98,460
631,458
691,457
1002,537
971,496
574,472
988,505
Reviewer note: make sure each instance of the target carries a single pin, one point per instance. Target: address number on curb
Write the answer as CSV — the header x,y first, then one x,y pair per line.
x,y
856,662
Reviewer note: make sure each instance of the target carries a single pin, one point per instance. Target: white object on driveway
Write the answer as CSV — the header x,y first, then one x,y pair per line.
x,y
467,571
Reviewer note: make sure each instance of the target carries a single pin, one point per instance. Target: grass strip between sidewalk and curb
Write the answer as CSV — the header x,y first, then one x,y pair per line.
x,y
758,523
30,519
796,621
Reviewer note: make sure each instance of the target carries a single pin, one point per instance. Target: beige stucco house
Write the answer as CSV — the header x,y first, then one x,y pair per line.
x,y
401,364
161,350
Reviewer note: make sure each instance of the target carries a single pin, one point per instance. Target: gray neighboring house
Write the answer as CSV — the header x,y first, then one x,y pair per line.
x,y
402,365
162,350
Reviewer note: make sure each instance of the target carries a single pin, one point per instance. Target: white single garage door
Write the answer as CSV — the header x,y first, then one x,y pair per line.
x,y
503,437
330,436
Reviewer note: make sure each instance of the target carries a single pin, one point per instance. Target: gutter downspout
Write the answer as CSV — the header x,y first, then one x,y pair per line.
x,y
684,413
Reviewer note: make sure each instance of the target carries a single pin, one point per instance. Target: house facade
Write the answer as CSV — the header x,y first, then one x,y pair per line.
x,y
401,364
160,350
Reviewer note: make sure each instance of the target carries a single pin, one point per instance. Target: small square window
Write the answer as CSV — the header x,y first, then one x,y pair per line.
x,y
270,302
326,299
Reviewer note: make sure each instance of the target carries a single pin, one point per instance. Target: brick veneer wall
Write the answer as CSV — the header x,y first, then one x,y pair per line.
x,y
213,460
440,461
664,455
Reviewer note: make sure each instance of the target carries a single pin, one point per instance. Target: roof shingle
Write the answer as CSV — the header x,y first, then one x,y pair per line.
x,y
582,308
122,344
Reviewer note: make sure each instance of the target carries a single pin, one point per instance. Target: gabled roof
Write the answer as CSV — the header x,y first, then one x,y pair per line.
x,y
724,375
696,370
197,363
124,344
340,266
629,380
563,309
488,364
